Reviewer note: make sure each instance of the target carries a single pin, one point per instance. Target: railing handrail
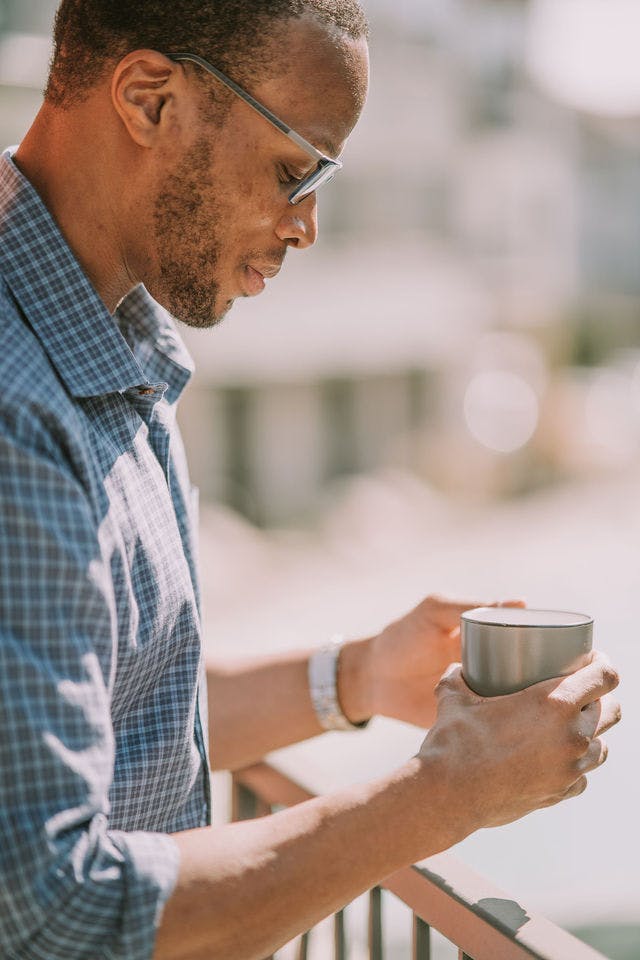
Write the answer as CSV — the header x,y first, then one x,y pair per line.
x,y
479,918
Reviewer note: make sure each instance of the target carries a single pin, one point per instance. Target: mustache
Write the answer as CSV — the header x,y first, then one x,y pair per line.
x,y
273,257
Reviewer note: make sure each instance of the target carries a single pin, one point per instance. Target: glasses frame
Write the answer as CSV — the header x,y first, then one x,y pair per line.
x,y
326,167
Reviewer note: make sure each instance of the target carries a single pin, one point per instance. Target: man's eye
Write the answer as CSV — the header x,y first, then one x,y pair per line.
x,y
286,176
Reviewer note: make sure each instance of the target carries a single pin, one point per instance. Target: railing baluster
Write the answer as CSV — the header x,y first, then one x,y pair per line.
x,y
303,947
375,924
244,802
339,942
441,888
421,939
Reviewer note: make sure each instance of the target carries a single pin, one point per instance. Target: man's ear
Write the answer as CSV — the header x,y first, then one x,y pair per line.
x,y
145,85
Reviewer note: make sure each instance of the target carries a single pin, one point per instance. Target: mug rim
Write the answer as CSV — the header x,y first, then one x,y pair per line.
x,y
583,621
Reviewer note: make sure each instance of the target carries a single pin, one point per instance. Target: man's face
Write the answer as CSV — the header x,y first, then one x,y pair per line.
x,y
222,221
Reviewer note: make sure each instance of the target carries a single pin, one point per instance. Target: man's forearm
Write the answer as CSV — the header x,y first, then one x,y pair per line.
x,y
247,888
260,705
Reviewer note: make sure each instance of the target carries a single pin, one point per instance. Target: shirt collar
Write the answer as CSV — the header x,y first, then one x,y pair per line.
x,y
82,340
151,334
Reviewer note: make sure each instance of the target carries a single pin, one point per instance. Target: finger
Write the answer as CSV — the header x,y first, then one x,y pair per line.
x,y
575,789
594,757
451,681
598,717
446,613
589,683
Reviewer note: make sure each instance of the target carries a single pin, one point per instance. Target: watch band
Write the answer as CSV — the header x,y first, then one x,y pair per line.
x,y
323,687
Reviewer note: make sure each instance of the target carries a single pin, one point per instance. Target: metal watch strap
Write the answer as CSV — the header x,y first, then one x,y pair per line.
x,y
323,687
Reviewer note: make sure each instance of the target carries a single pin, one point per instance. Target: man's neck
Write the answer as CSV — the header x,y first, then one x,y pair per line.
x,y
71,175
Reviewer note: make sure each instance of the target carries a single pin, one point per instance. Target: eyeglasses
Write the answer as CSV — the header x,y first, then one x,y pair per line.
x,y
326,167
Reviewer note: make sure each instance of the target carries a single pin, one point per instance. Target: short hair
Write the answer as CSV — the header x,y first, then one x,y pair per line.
x,y
89,35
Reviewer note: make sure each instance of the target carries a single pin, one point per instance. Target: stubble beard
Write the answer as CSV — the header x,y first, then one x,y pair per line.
x,y
186,224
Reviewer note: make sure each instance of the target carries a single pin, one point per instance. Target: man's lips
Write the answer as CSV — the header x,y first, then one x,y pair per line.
x,y
254,277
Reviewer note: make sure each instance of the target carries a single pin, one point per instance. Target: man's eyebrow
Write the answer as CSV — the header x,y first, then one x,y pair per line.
x,y
326,147
310,163
330,148
317,138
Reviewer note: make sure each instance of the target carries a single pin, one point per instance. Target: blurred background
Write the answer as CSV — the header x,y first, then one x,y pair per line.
x,y
445,394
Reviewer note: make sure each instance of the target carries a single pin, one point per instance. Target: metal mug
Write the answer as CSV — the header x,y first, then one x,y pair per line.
x,y
505,649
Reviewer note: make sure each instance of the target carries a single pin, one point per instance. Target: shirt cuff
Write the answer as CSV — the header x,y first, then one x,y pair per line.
x,y
150,874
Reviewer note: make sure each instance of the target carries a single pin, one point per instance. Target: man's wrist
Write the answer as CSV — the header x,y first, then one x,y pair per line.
x,y
337,675
354,681
433,819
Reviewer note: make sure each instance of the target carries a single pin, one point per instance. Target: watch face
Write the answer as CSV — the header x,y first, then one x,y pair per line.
x,y
323,688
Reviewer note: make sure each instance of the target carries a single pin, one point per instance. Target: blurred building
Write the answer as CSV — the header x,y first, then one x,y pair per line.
x,y
471,204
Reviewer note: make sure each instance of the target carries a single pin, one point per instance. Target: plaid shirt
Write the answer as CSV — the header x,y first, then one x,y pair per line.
x,y
102,709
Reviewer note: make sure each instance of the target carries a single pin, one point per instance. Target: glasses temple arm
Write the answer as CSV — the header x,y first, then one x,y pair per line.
x,y
258,107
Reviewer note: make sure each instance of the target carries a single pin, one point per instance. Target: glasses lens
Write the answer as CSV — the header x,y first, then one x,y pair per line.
x,y
324,172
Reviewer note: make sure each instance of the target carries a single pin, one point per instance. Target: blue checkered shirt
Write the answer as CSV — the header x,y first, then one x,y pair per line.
x,y
103,749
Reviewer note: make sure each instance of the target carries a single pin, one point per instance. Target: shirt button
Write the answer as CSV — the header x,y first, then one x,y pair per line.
x,y
146,391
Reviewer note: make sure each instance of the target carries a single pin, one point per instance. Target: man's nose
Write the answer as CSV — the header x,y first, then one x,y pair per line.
x,y
298,226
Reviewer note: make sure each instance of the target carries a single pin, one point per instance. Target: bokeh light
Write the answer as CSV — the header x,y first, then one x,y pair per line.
x,y
501,410
585,53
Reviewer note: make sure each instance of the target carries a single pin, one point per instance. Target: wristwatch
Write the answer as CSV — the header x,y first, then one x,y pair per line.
x,y
323,687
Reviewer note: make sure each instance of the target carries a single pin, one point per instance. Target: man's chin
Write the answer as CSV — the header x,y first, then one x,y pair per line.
x,y
203,322
201,313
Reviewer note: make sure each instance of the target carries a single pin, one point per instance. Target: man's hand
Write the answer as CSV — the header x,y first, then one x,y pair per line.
x,y
503,757
404,663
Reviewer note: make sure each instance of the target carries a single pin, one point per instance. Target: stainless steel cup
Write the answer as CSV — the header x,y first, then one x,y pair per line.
x,y
505,649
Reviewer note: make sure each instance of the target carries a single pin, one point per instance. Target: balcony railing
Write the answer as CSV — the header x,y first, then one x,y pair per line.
x,y
443,894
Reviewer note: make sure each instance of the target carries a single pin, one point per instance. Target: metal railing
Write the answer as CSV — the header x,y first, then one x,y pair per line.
x,y
443,894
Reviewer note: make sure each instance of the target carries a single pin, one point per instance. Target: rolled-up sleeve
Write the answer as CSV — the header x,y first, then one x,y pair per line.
x,y
70,887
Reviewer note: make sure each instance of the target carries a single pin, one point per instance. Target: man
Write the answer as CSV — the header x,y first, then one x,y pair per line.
x,y
149,173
